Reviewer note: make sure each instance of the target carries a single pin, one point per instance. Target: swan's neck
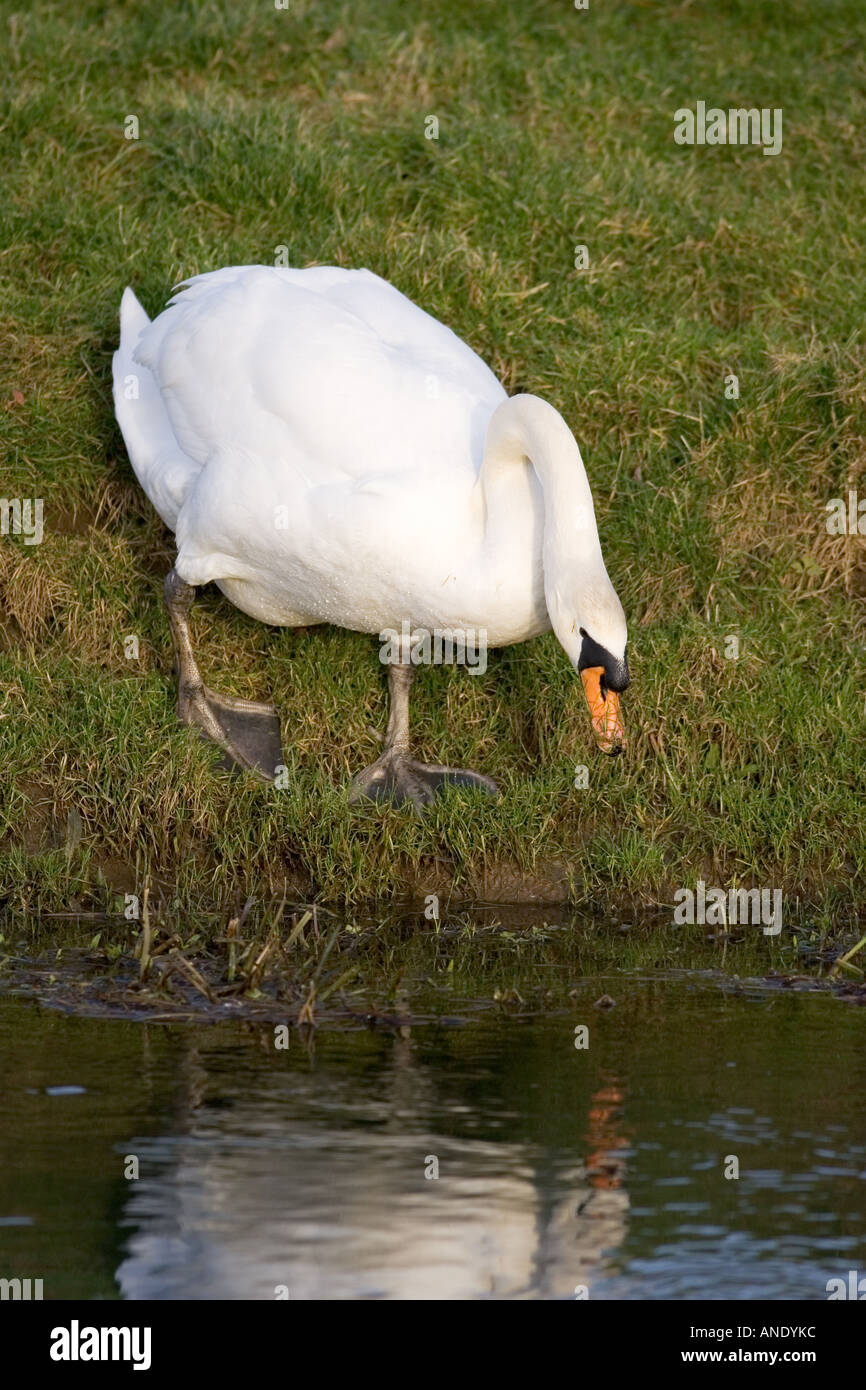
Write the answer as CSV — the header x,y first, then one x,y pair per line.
x,y
527,435
524,431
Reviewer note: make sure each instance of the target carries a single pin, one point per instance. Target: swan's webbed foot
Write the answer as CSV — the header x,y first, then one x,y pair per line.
x,y
396,777
247,732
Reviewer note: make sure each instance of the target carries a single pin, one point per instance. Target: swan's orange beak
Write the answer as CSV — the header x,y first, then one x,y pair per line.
x,y
604,709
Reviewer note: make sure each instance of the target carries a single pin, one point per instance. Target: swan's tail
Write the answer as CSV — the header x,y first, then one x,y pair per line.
x,y
165,472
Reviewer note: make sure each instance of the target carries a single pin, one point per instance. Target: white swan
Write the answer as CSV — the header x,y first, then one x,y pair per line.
x,y
327,452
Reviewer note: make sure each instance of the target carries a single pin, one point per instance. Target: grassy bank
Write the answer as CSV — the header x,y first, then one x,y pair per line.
x,y
261,128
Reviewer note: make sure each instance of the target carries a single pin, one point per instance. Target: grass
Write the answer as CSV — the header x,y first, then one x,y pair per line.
x,y
305,128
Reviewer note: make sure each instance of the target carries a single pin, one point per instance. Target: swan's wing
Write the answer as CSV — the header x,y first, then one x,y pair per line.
x,y
329,373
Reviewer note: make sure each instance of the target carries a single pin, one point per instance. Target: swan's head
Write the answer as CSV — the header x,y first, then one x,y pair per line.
x,y
595,637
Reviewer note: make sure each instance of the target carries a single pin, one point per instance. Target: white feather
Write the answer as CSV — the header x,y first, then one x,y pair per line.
x,y
317,443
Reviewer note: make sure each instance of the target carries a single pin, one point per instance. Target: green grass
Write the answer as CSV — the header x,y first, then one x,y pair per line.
x,y
261,128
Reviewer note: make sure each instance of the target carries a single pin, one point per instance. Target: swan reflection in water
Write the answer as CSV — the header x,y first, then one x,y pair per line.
x,y
285,1183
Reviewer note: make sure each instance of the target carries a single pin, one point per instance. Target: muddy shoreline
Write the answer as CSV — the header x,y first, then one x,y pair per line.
x,y
308,970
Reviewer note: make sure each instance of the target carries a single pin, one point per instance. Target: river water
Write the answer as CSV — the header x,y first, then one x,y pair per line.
x,y
704,1144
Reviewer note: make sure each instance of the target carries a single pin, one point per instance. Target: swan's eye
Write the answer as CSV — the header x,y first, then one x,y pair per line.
x,y
615,670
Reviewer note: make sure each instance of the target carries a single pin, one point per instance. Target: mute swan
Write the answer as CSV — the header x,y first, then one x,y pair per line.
x,y
326,452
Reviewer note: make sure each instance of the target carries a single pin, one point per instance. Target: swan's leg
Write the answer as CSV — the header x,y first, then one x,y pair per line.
x,y
248,732
394,776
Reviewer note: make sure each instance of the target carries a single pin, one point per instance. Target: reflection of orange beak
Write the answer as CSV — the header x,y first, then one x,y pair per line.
x,y
606,721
